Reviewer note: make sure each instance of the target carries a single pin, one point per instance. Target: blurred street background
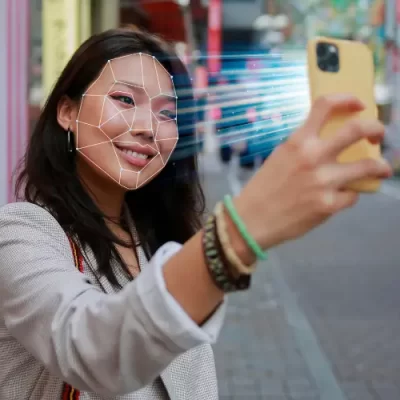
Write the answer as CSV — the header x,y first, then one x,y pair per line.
x,y
323,318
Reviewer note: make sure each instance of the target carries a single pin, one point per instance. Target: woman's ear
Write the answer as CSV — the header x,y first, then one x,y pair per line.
x,y
67,113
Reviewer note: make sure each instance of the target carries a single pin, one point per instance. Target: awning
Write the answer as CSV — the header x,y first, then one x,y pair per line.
x,y
166,19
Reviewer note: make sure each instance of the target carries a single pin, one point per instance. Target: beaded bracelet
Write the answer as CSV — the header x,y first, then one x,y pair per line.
x,y
242,281
229,251
215,261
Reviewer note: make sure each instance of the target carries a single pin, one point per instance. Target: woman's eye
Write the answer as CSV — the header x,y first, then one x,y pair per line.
x,y
124,99
168,114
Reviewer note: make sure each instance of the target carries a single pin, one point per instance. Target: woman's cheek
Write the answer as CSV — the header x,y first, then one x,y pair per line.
x,y
167,139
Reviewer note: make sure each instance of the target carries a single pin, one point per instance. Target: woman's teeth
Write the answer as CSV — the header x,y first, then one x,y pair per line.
x,y
134,154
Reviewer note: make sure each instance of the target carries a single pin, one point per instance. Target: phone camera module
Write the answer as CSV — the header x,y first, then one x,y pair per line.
x,y
327,57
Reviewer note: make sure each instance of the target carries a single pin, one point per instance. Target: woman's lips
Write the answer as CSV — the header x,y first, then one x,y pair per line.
x,y
134,158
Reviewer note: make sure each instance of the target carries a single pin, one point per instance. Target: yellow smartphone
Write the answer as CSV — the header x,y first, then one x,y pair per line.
x,y
342,66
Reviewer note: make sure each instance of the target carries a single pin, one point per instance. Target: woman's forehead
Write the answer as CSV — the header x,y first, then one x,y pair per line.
x,y
140,70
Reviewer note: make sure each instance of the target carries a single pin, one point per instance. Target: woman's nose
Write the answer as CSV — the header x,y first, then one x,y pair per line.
x,y
142,123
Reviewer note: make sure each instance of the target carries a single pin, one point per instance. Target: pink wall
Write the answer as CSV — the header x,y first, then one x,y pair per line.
x,y
14,67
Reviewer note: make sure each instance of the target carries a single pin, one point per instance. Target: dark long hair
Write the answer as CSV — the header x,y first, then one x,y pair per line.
x,y
169,208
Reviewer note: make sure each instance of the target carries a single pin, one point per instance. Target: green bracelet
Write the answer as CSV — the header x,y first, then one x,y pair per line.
x,y
242,229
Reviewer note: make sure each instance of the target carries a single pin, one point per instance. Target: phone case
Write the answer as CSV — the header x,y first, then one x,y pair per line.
x,y
355,76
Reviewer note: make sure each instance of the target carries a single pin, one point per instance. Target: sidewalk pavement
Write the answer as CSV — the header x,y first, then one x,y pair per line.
x,y
257,356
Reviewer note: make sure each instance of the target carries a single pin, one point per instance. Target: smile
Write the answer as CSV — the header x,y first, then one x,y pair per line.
x,y
136,154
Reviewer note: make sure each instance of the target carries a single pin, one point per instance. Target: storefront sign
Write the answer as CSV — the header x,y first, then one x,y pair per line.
x,y
65,25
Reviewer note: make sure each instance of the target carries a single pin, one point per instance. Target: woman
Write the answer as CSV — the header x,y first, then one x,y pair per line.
x,y
111,190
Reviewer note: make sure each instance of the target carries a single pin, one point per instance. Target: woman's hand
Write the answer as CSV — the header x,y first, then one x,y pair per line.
x,y
301,184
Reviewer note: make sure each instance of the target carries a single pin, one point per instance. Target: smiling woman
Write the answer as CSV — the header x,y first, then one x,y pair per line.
x,y
103,150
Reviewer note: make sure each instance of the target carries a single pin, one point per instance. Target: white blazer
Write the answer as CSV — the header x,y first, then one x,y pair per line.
x,y
60,325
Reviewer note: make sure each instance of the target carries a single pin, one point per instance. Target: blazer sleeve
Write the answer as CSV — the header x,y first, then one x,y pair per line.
x,y
110,344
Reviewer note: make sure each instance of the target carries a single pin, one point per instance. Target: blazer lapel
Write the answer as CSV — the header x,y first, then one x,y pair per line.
x,y
192,375
175,377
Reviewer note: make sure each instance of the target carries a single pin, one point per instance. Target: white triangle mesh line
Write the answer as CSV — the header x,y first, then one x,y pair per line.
x,y
107,100
141,129
121,57
101,73
102,109
165,95
133,120
150,162
117,109
141,62
114,116
158,148
141,68
172,78
127,171
163,140
150,177
105,134
116,156
163,121
158,79
112,71
100,168
130,84
92,95
122,134
85,123
92,145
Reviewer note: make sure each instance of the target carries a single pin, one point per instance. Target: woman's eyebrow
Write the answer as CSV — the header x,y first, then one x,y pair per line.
x,y
171,97
166,97
130,84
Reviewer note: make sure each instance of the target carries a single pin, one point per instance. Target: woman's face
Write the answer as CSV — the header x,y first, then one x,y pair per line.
x,y
126,126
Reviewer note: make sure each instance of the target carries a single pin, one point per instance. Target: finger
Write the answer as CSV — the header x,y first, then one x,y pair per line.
x,y
352,132
325,106
345,199
338,175
332,201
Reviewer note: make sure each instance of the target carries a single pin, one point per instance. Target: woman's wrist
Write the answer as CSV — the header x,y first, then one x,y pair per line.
x,y
239,245
265,238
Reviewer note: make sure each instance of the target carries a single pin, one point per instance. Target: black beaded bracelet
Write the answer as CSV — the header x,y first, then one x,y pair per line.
x,y
217,263
241,281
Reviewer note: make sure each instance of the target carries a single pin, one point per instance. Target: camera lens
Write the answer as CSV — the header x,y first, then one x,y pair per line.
x,y
334,60
322,50
322,65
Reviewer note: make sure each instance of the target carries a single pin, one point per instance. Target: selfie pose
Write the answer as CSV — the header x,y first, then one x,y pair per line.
x,y
113,282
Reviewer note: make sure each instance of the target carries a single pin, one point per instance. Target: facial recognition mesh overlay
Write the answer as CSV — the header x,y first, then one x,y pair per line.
x,y
127,121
